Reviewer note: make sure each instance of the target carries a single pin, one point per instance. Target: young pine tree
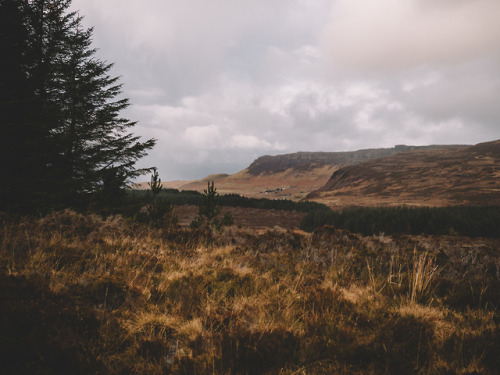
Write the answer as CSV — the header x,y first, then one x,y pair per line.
x,y
209,210
159,211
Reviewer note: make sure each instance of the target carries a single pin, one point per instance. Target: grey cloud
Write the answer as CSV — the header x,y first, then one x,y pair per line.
x,y
390,35
186,45
470,92
221,82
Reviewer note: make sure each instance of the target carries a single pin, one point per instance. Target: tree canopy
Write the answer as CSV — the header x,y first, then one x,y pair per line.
x,y
64,142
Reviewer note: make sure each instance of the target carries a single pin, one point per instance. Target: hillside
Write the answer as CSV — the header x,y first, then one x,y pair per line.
x,y
291,176
456,175
290,184
306,161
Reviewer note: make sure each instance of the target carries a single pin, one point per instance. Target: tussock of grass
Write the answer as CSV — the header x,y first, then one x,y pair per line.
x,y
86,295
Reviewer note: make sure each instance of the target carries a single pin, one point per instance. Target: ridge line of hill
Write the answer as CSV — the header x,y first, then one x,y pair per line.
x,y
434,175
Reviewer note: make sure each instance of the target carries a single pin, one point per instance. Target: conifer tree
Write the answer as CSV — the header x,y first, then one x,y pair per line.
x,y
160,212
22,137
81,140
209,210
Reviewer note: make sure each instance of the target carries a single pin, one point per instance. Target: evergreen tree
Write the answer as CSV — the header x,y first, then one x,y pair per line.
x,y
22,137
209,210
160,212
82,145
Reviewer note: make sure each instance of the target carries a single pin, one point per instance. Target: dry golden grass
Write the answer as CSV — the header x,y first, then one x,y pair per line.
x,y
86,295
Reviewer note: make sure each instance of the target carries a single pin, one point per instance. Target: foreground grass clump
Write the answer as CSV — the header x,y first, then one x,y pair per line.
x,y
86,295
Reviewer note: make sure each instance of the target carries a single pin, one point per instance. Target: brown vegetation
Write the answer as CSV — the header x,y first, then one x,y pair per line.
x,y
253,218
289,184
431,177
291,176
86,295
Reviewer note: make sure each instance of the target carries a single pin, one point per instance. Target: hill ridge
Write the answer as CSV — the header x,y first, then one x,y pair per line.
x,y
457,175
295,175
304,160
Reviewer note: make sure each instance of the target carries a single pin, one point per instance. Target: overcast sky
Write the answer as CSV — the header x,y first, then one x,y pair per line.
x,y
221,82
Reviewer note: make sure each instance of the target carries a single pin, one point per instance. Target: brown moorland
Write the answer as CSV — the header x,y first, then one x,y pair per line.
x,y
252,218
428,177
85,295
290,176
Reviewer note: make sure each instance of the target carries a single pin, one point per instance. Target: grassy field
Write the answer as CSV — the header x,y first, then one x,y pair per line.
x,y
83,295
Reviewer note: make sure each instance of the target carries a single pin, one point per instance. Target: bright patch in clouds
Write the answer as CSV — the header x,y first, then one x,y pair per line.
x,y
221,82
400,34
247,142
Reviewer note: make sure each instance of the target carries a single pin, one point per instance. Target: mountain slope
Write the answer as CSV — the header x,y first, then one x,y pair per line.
x,y
306,161
432,177
292,176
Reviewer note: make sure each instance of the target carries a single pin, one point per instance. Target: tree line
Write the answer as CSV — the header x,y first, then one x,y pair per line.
x,y
63,140
471,221
192,197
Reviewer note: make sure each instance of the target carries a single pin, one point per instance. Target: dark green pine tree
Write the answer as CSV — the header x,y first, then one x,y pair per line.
x,y
87,147
210,208
96,147
23,135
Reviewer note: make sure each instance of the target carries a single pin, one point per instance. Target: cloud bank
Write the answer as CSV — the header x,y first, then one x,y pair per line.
x,y
220,83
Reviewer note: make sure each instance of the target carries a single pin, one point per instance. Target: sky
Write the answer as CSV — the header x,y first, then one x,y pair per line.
x,y
219,83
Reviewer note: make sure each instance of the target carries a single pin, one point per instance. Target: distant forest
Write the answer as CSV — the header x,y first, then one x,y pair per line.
x,y
471,221
192,197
